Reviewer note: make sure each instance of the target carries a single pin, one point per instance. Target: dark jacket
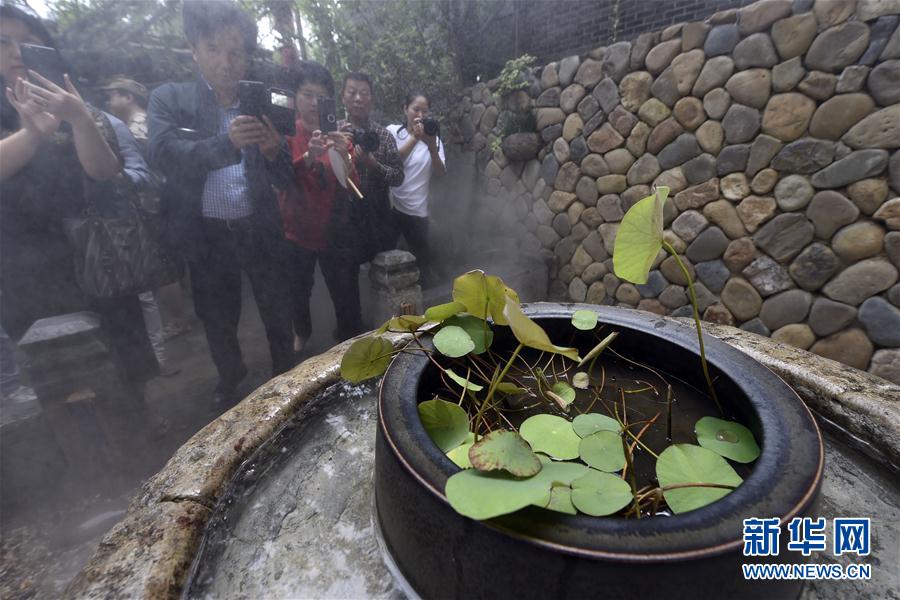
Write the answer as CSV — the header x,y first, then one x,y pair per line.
x,y
185,158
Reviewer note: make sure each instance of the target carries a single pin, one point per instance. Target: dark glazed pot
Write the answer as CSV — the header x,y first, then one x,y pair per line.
x,y
537,553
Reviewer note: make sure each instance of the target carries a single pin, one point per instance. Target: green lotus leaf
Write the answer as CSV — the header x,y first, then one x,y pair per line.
x,y
599,347
475,387
585,425
403,323
727,438
603,451
512,389
639,238
600,494
686,463
503,449
560,500
460,454
483,295
366,357
551,435
442,312
581,380
530,333
478,329
453,341
564,390
447,423
584,319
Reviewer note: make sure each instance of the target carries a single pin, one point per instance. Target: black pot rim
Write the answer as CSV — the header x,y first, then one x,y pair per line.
x,y
765,390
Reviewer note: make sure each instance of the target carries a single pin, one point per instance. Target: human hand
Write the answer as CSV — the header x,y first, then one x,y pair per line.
x,y
418,130
245,131
340,141
366,158
272,142
65,104
34,118
318,144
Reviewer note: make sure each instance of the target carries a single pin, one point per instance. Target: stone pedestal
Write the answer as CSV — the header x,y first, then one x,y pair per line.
x,y
395,285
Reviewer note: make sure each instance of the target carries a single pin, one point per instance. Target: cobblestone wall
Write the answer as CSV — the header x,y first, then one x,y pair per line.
x,y
776,126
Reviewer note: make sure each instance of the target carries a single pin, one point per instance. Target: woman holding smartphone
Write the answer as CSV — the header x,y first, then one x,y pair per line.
x,y
316,210
423,157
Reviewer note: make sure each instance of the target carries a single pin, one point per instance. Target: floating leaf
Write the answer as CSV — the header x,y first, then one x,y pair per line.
x,y
403,323
483,295
600,494
639,238
531,334
581,380
462,381
584,319
442,312
552,435
453,341
603,451
727,438
560,500
447,423
585,425
478,329
485,495
460,454
503,449
686,463
599,347
512,389
564,390
366,357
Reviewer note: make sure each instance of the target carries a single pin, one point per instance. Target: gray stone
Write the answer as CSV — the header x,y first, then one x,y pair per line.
x,y
607,94
850,347
570,97
889,213
593,245
672,179
714,74
767,276
886,364
604,139
711,136
594,166
829,14
697,196
589,73
519,147
784,237
547,236
588,107
837,47
868,194
827,316
716,103
713,273
818,85
673,296
756,326
829,211
699,169
640,48
586,190
549,169
741,124
689,224
894,171
735,186
656,283
835,116
793,192
644,170
861,280
560,201
882,321
814,266
878,130
689,112
760,15
884,83
798,335
610,208
608,233
634,90
577,290
616,60
565,250
750,88
733,159
619,161
755,51
663,134
561,225
661,55
591,125
806,155
740,253
693,35
596,293
672,271
567,68
709,245
637,141
858,165
762,151
664,88
622,120
684,311
866,10
764,181
612,184
786,75
721,40
787,307
852,79
756,210
593,273
684,148
793,35
578,149
741,299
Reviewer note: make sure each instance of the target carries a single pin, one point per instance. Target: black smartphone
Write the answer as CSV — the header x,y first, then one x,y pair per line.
x,y
281,111
327,115
45,61
252,97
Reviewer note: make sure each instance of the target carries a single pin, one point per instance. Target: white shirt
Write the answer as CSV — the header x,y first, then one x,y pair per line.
x,y
411,197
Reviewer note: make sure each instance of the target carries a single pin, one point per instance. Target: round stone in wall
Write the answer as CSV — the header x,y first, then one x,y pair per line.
x,y
785,236
884,82
672,272
683,149
689,112
756,210
868,194
740,253
741,299
733,158
721,40
814,266
713,273
709,245
878,130
798,335
767,276
663,134
858,241
716,103
889,212
806,155
689,224
787,307
835,116
619,161
793,192
830,210
850,347
793,35
644,170
786,75
787,116
751,88
861,280
886,364
634,90
755,51
827,316
882,321
741,123
855,166
724,214
653,112
661,56
711,136
764,181
837,47
714,74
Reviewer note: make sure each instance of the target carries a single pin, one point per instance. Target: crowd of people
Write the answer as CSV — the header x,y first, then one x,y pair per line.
x,y
231,196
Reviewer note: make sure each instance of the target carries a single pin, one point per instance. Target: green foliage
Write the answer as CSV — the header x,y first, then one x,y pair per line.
x,y
551,435
686,464
366,357
509,122
511,78
639,238
600,494
453,341
603,451
584,320
590,423
727,438
504,450
446,423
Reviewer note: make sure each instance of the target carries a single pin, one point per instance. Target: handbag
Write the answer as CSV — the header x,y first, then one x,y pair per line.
x,y
120,255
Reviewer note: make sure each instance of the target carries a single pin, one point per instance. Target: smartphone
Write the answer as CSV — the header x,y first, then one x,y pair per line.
x,y
45,61
327,115
252,96
281,111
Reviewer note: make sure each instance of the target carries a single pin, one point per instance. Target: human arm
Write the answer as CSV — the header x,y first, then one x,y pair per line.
x,y
134,166
96,157
436,151
17,149
386,162
277,154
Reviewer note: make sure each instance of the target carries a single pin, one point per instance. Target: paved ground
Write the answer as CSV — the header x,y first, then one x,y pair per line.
x,y
46,539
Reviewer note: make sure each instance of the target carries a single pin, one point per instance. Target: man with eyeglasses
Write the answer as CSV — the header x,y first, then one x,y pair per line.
x,y
378,170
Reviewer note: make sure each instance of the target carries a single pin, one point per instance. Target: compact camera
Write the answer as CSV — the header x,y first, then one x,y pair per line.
x,y
257,101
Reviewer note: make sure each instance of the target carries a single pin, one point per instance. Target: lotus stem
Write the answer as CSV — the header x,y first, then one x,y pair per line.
x,y
709,383
493,387
629,466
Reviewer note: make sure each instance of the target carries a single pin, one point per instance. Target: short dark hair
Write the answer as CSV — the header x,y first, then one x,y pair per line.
x,y
32,22
205,18
311,72
357,76
411,97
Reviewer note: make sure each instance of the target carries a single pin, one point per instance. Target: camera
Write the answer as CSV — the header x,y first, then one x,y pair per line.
x,y
257,100
431,126
366,139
